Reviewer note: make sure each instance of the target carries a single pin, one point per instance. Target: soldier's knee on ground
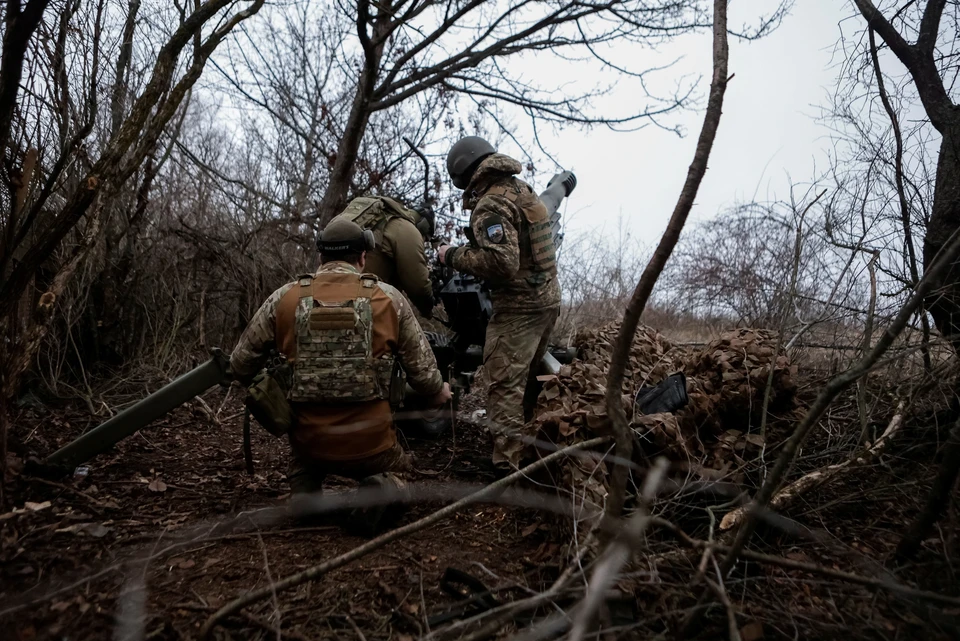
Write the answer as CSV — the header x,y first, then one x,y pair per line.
x,y
381,501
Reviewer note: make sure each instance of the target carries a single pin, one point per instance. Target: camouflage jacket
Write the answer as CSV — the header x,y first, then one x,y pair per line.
x,y
410,344
503,241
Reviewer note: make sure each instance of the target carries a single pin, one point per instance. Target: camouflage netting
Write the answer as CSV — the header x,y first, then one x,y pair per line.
x,y
725,383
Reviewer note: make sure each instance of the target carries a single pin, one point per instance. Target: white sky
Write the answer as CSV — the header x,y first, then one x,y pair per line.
x,y
769,128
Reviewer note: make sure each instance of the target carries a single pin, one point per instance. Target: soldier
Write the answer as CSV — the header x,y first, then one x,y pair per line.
x,y
343,333
512,249
399,257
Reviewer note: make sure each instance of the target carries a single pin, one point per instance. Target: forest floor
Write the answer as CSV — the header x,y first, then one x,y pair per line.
x,y
159,533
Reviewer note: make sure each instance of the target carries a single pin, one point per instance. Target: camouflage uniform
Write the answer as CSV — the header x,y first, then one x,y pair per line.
x,y
347,438
512,250
399,258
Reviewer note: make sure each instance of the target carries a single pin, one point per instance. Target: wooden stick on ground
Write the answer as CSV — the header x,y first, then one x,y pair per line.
x,y
318,571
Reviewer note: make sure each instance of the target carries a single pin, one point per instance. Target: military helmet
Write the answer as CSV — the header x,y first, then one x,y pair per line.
x,y
342,236
464,157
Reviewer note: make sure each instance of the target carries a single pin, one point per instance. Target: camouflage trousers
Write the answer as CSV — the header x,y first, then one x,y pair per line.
x,y
306,477
515,343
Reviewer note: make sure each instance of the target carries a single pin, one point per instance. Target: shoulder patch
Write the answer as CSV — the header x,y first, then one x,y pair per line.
x,y
492,227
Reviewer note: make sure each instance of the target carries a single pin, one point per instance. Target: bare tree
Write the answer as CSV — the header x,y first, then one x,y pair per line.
x,y
404,49
56,109
928,64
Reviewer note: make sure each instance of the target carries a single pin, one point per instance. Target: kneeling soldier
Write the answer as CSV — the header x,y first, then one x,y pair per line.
x,y
344,333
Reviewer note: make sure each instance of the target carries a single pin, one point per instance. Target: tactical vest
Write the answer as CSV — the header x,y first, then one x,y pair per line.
x,y
538,253
335,362
374,212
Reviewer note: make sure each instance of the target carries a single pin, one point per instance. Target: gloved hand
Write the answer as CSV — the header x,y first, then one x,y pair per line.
x,y
441,397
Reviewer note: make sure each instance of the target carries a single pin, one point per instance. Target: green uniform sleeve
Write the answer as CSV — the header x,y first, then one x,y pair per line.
x,y
496,252
413,275
249,356
413,350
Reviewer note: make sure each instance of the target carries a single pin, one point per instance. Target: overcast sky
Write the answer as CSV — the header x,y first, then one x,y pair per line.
x,y
769,128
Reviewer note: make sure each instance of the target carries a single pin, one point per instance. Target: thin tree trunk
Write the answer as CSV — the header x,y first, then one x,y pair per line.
x,y
902,197
638,301
937,500
334,198
944,300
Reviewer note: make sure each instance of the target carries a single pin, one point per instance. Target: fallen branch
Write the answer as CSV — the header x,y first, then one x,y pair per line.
x,y
805,484
937,500
802,566
495,618
318,571
849,577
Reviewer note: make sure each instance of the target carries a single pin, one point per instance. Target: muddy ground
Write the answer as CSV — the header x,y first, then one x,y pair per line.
x,y
158,534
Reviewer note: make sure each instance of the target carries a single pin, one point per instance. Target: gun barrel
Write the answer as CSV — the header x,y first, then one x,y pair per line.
x,y
176,393
559,187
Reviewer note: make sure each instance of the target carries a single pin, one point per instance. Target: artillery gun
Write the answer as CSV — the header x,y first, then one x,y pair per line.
x,y
468,309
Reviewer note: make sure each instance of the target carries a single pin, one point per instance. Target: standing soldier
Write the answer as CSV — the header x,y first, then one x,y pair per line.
x,y
512,249
343,332
400,234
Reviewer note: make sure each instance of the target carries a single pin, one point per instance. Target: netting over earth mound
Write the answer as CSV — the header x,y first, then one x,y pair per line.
x,y
726,380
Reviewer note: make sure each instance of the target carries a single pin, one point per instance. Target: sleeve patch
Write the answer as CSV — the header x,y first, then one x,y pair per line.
x,y
492,227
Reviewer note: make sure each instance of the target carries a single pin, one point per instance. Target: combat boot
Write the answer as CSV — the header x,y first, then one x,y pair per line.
x,y
372,519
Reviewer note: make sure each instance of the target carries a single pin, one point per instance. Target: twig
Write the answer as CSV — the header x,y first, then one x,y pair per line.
x,y
273,597
269,627
797,249
509,610
67,488
356,628
901,195
247,443
812,568
815,479
833,388
618,553
318,571
732,630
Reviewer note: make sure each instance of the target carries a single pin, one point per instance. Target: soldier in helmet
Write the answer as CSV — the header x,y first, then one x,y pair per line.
x,y
511,248
343,332
399,257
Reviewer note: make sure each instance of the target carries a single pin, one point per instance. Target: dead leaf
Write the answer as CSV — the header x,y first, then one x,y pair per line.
x,y
36,507
96,530
186,565
60,606
754,439
156,485
530,529
753,631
